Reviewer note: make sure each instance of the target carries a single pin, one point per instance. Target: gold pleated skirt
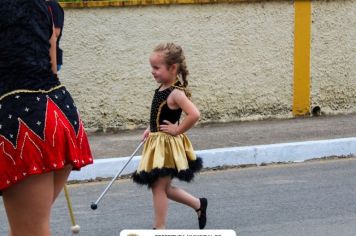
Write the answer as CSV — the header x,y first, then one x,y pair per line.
x,y
167,155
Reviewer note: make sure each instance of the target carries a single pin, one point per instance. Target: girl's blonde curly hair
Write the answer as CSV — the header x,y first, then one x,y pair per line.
x,y
173,54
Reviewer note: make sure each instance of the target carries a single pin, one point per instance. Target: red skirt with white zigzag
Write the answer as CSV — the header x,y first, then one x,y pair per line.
x,y
40,131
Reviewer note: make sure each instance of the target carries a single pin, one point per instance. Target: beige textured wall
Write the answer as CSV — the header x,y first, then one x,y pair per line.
x,y
240,58
333,56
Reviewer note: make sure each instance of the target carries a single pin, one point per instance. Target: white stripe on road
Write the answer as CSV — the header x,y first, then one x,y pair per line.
x,y
233,156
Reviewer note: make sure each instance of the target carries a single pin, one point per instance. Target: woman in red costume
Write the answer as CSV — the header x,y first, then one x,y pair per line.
x,y
41,134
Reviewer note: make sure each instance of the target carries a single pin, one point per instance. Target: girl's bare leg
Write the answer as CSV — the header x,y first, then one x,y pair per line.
x,y
160,201
181,196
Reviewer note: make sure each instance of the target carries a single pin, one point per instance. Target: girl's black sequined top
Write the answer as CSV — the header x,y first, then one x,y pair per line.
x,y
160,110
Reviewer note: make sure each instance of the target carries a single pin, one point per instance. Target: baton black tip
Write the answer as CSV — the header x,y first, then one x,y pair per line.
x,y
94,206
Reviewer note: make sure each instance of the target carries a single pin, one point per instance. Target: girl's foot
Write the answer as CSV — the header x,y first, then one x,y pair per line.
x,y
202,212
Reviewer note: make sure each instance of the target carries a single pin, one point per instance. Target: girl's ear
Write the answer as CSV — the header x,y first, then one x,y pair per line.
x,y
174,68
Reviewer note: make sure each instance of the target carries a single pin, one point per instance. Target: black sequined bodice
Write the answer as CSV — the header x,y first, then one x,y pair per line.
x,y
160,110
25,30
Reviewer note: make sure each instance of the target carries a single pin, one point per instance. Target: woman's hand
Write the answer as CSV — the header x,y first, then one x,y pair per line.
x,y
169,128
145,134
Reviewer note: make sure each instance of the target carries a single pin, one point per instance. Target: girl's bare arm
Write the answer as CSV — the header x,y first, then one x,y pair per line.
x,y
192,114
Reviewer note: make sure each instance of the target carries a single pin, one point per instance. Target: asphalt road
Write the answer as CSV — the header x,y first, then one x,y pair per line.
x,y
313,198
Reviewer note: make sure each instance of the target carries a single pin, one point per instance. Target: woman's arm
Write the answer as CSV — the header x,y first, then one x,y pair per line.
x,y
53,51
57,32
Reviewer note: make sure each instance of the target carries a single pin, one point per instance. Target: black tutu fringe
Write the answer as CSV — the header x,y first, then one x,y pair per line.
x,y
149,178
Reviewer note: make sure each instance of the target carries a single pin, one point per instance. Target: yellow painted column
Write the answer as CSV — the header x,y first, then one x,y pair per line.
x,y
302,35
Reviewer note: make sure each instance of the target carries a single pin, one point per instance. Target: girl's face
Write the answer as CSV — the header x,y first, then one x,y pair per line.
x,y
161,72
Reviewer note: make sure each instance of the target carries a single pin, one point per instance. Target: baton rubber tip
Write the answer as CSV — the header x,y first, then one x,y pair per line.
x,y
94,206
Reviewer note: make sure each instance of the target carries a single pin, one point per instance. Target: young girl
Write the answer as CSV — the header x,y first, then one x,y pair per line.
x,y
168,152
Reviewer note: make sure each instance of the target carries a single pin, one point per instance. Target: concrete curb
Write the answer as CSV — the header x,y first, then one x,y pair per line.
x,y
273,153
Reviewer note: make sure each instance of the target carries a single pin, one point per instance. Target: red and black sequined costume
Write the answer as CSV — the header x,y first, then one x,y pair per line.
x,y
40,128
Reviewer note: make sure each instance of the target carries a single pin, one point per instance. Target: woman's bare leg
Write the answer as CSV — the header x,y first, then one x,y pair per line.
x,y
60,179
31,215
28,205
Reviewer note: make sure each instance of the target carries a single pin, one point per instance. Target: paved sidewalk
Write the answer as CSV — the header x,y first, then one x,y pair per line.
x,y
236,134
